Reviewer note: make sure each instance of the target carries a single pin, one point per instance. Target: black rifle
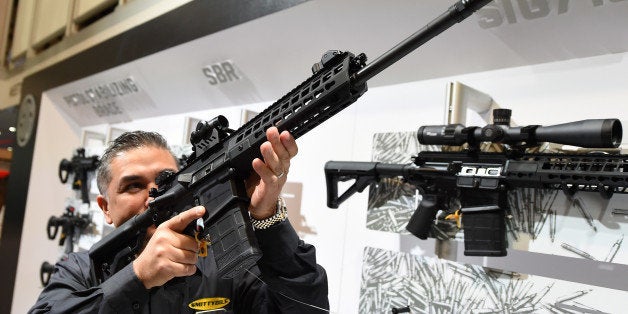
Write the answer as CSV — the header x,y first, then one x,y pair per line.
x,y
72,225
477,182
213,176
80,166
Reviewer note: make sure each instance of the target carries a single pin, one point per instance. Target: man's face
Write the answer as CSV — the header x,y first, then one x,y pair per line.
x,y
133,174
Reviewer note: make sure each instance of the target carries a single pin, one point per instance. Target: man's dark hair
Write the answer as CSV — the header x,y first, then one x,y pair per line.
x,y
125,142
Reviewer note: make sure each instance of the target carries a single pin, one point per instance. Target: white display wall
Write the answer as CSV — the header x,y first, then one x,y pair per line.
x,y
544,94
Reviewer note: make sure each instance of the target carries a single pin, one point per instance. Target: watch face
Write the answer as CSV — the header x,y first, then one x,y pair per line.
x,y
25,120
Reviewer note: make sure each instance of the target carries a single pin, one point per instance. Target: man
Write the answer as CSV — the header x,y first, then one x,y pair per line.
x,y
285,280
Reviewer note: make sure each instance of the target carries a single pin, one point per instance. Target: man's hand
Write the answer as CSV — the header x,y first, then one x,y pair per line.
x,y
270,174
169,253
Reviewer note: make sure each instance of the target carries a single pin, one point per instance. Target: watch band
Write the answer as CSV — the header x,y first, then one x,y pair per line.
x,y
280,215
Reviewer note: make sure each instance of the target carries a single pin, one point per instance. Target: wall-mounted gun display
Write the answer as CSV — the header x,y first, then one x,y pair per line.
x,y
476,183
213,176
72,226
80,166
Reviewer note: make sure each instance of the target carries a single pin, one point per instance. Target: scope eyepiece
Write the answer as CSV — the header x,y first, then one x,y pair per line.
x,y
451,134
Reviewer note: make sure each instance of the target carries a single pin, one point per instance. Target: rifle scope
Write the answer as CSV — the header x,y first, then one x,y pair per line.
x,y
591,133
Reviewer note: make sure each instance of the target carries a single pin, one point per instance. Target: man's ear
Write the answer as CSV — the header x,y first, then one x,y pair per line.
x,y
103,204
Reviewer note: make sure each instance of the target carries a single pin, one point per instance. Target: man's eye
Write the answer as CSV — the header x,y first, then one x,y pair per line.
x,y
134,186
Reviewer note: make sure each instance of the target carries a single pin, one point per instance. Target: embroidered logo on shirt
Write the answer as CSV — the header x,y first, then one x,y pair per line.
x,y
209,303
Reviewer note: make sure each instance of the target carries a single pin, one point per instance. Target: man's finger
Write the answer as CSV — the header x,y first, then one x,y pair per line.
x,y
260,168
183,242
289,143
182,220
273,136
271,158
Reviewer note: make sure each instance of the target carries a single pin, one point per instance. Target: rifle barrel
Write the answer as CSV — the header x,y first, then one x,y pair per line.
x,y
456,13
